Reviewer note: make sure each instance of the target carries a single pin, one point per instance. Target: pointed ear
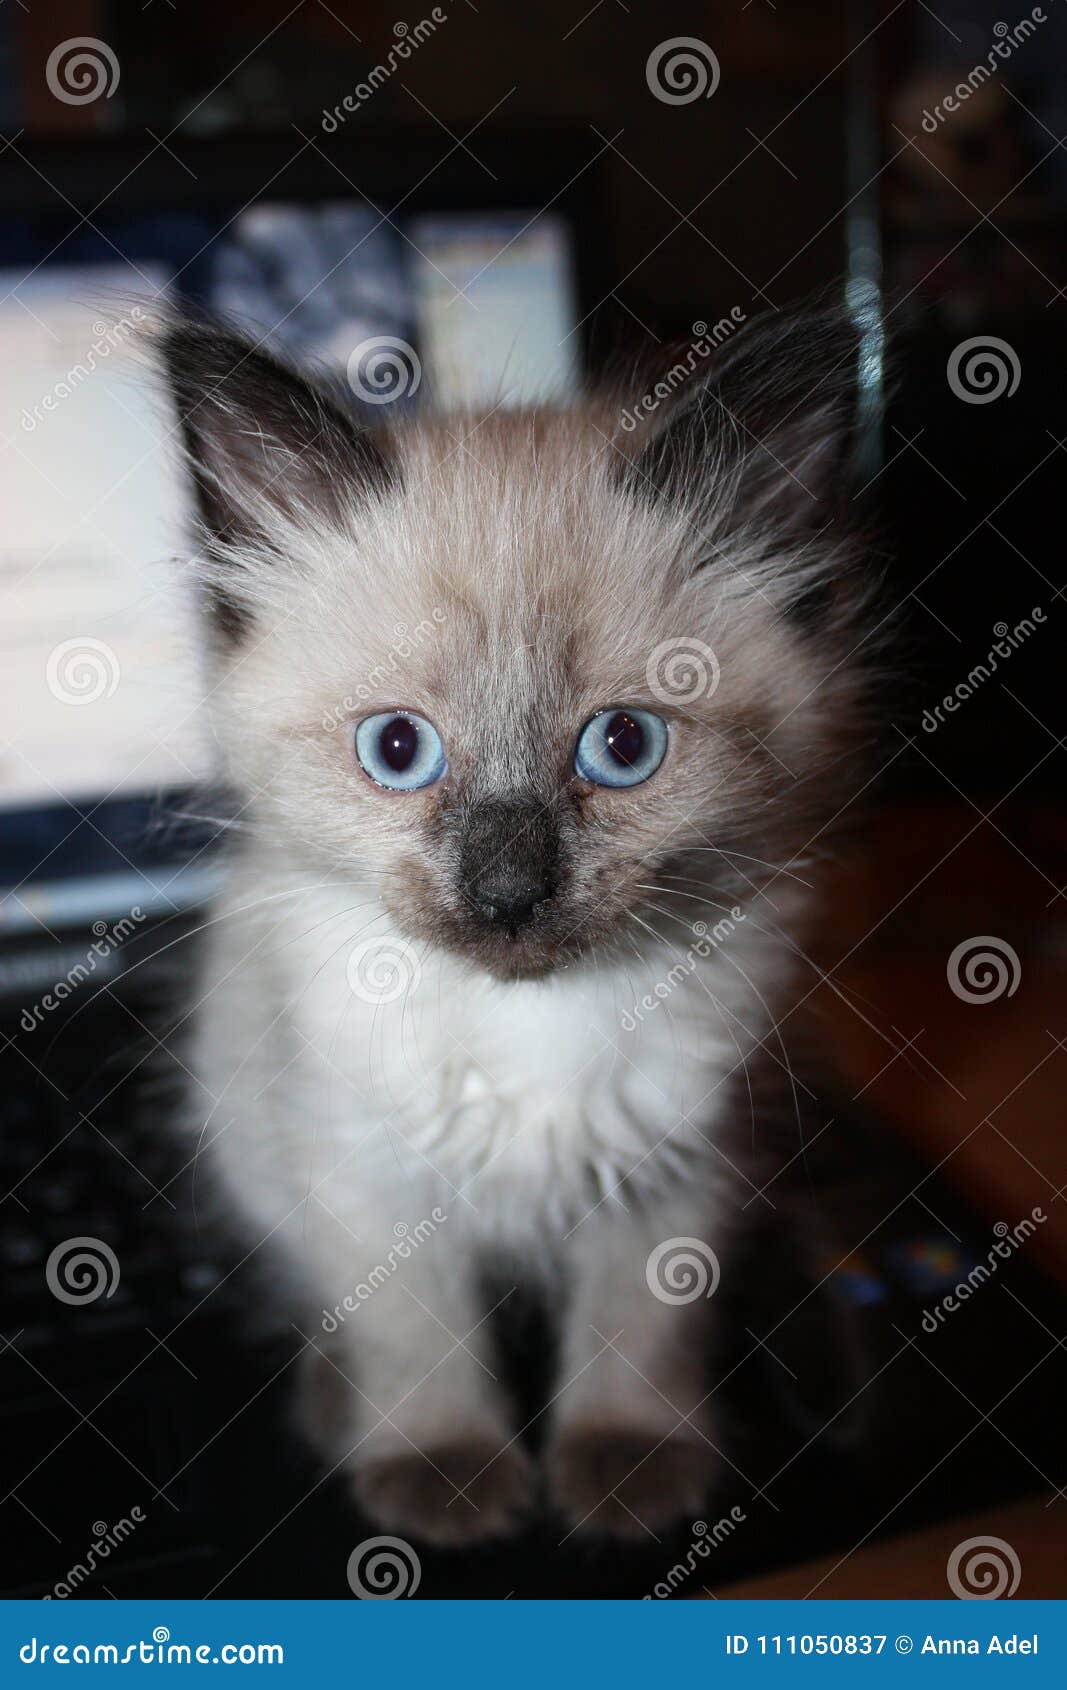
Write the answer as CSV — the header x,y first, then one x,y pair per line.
x,y
268,449
764,437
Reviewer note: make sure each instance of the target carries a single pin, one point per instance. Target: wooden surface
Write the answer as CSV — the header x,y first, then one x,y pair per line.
x,y
978,1088
915,1565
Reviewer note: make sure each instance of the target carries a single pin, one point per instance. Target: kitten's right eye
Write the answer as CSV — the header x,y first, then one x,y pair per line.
x,y
400,750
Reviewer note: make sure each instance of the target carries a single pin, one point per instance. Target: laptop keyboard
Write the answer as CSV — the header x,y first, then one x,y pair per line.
x,y
160,1393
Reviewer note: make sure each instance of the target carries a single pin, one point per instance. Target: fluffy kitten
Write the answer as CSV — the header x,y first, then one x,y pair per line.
x,y
531,717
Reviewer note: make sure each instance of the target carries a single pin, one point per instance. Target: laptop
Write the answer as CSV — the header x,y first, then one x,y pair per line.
x,y
481,303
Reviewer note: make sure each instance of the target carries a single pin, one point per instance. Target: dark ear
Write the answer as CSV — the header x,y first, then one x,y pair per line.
x,y
766,432
267,447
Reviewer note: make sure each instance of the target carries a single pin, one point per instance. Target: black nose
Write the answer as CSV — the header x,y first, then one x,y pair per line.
x,y
508,900
509,859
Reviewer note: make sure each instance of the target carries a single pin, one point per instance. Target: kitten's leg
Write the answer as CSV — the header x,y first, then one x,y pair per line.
x,y
630,1448
404,1396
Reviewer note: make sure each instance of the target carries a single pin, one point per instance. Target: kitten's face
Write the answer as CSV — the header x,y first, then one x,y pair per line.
x,y
523,696
517,769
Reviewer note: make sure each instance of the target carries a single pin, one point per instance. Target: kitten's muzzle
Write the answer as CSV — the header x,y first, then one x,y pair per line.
x,y
509,861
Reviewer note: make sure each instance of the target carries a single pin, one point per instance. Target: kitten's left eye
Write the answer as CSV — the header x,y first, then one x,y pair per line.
x,y
400,750
621,747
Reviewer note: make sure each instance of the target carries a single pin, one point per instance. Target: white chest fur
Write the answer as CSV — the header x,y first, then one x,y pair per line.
x,y
347,1063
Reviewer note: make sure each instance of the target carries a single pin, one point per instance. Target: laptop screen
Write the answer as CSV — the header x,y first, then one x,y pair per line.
x,y
99,685
96,690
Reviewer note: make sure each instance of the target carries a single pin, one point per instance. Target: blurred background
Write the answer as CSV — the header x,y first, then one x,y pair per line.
x,y
484,203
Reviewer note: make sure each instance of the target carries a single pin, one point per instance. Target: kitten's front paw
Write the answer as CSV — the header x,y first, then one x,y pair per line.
x,y
454,1494
628,1481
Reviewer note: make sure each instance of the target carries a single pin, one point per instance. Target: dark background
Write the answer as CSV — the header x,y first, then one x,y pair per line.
x,y
807,167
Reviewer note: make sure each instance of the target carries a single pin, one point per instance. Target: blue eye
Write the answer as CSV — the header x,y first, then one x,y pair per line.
x,y
400,750
621,747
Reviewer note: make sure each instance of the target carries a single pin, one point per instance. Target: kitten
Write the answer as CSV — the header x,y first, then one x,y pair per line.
x,y
532,718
